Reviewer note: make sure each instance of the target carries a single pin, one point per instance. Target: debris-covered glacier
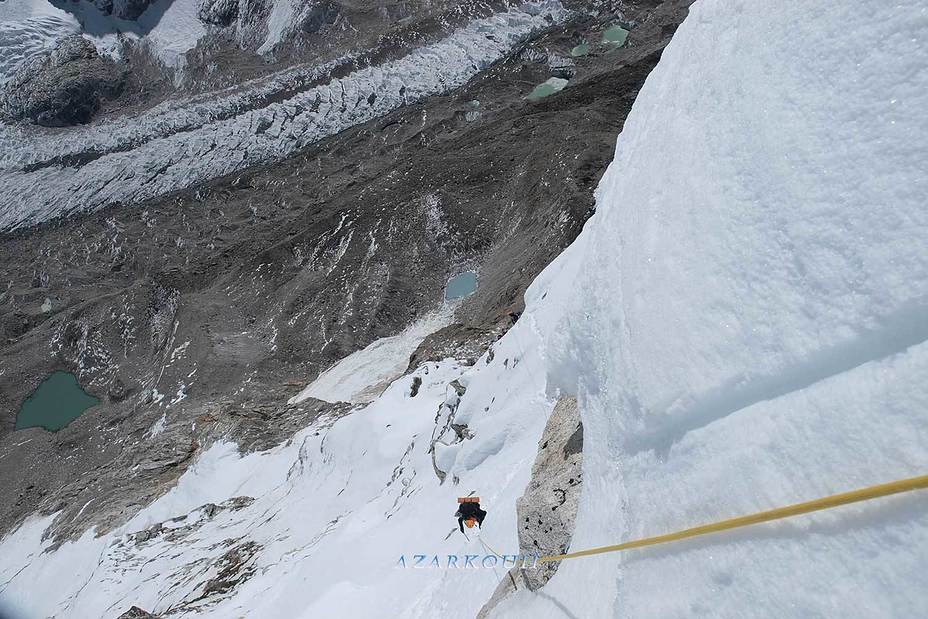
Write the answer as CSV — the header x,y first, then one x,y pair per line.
x,y
180,143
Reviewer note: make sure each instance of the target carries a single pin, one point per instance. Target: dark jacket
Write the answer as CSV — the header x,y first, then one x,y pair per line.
x,y
470,510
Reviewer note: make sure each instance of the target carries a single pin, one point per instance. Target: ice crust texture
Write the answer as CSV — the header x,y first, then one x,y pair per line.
x,y
743,321
178,144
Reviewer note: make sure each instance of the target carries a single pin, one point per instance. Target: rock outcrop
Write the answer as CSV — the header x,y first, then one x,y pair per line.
x,y
318,16
124,9
64,87
547,510
137,613
218,12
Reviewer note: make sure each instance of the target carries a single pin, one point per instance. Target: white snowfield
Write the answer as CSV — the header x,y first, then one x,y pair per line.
x,y
362,376
48,174
743,321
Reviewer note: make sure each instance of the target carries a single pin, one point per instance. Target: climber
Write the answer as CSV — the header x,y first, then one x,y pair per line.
x,y
469,512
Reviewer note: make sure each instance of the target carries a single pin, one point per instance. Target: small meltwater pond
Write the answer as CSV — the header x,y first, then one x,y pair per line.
x,y
55,403
580,50
461,286
615,35
547,88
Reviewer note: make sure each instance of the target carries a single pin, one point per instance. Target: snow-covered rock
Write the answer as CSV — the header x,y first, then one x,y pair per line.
x,y
29,28
165,29
63,87
548,509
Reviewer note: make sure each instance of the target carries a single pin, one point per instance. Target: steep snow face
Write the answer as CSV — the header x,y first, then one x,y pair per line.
x,y
744,320
279,23
172,29
181,143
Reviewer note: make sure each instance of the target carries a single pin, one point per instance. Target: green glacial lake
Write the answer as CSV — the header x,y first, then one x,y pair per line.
x,y
547,88
581,50
55,403
461,286
615,35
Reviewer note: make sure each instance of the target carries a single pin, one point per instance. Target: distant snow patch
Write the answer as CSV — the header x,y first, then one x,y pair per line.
x,y
158,427
363,375
279,24
176,31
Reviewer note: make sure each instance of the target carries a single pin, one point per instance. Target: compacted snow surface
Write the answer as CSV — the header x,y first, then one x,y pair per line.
x,y
743,321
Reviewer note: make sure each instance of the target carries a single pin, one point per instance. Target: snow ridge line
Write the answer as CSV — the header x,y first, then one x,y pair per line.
x,y
901,330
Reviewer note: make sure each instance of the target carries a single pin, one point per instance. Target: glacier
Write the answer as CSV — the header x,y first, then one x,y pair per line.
x,y
744,324
48,174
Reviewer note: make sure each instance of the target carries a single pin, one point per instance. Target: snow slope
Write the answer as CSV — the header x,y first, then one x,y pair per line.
x,y
334,510
743,321
363,375
172,29
280,22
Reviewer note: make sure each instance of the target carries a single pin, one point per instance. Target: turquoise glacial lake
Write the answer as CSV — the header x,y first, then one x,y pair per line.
x,y
55,403
461,286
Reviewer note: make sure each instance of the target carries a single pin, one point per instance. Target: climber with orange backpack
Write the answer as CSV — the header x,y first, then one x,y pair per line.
x,y
469,512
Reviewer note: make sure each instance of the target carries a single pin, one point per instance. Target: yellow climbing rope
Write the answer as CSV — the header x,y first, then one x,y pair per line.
x,y
835,500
